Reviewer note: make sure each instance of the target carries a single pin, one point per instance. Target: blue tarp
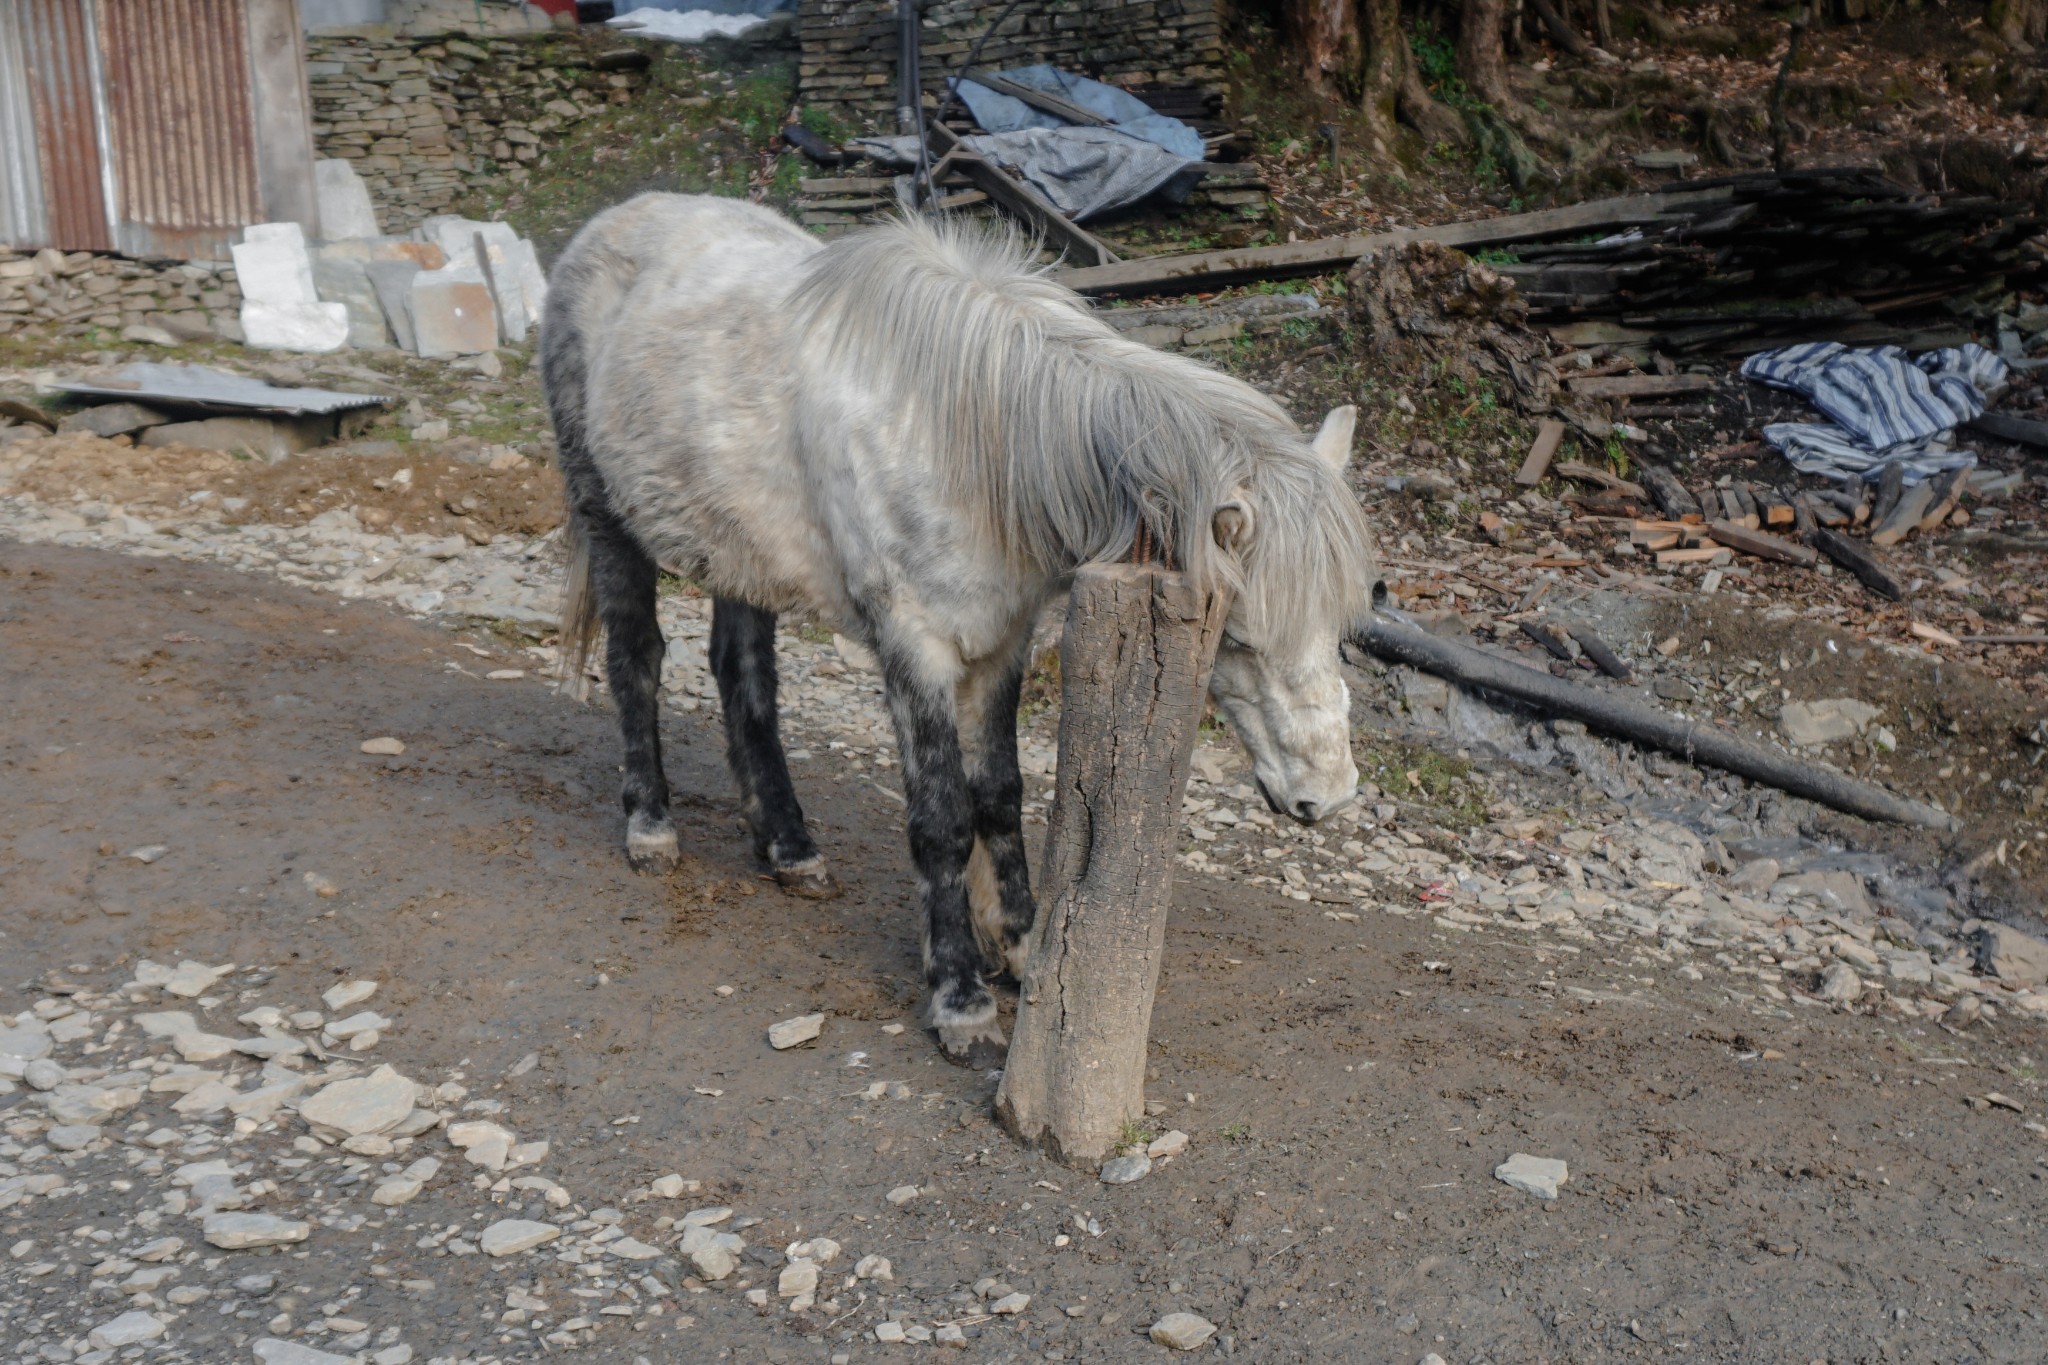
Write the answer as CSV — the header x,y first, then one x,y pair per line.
x,y
1125,111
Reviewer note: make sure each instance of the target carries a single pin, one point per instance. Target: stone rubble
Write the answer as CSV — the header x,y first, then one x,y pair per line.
x,y
1763,916
240,1158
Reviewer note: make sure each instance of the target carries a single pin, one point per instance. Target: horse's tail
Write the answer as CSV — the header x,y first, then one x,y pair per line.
x,y
586,283
579,614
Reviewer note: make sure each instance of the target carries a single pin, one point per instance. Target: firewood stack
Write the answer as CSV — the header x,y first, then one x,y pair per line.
x,y
1840,254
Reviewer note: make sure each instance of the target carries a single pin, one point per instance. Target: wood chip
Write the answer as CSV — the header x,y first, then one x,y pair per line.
x,y
1548,435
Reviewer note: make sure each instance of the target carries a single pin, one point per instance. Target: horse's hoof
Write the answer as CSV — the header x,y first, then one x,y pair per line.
x,y
811,880
979,1047
651,848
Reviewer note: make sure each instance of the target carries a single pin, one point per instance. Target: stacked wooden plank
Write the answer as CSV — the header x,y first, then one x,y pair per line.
x,y
1830,254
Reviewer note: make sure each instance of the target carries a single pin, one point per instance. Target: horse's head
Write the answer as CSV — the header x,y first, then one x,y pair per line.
x,y
1277,679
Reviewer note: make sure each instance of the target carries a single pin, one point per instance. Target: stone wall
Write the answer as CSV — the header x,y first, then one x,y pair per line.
x,y
54,292
849,46
423,119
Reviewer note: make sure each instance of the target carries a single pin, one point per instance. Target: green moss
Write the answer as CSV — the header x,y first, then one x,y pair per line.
x,y
698,127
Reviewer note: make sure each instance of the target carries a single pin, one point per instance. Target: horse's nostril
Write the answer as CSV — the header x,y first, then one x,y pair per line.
x,y
1307,812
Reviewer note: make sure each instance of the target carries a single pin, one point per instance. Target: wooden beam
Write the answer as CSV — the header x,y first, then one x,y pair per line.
x,y
1641,385
1695,741
1858,561
1210,269
1549,432
1764,545
2006,427
1043,101
1021,200
1600,478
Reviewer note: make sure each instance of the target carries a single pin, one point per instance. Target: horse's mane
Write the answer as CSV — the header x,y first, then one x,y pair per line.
x,y
1064,437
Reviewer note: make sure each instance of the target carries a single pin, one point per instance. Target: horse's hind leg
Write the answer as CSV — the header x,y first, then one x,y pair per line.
x,y
743,660
623,579
998,874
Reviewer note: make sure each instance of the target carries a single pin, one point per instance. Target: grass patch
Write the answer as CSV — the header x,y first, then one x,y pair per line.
x,y
1437,780
698,127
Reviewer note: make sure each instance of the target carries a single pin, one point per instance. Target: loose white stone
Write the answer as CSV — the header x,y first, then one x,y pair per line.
x,y
873,1268
385,745
1537,1175
798,1277
25,1043
194,979
368,1104
1182,1331
791,1032
163,1248
1122,1170
704,1217
889,1333
271,1351
1010,1304
72,1137
346,994
1171,1143
363,1021
673,1186
510,1236
148,853
236,1231
713,1262
43,1074
951,1334
471,1132
1840,985
631,1249
901,1195
126,1330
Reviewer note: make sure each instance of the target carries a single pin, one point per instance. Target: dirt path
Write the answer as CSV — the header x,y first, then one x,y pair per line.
x,y
1743,1186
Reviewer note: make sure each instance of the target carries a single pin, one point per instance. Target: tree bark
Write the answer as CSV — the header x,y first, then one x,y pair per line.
x,y
1482,62
1332,49
2022,23
1134,667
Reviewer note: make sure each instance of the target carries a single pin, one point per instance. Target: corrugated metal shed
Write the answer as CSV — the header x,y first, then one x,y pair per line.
x,y
156,128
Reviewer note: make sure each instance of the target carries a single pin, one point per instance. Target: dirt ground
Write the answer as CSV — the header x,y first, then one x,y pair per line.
x,y
1743,1187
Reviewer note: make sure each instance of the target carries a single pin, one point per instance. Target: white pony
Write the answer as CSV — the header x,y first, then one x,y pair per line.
x,y
914,437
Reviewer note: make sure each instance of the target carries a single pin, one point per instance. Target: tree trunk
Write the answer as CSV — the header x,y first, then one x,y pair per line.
x,y
2022,23
1392,86
1134,667
1481,61
1332,51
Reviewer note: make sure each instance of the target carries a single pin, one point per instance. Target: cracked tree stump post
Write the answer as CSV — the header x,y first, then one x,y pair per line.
x,y
1134,668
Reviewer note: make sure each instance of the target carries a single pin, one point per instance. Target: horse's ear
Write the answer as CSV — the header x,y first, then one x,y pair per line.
x,y
1333,442
1232,526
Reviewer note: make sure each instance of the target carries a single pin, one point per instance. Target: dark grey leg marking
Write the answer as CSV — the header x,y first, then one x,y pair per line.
x,y
999,876
623,577
743,659
941,828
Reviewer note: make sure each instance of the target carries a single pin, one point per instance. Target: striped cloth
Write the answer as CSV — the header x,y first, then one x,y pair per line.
x,y
1883,406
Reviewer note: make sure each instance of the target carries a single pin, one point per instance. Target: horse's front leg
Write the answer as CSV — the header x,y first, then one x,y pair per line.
x,y
941,827
998,872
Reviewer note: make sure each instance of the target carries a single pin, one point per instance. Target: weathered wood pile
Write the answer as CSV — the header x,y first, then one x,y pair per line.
x,y
1710,523
1828,254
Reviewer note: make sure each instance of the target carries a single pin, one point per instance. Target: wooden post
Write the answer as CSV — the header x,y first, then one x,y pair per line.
x,y
1134,667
